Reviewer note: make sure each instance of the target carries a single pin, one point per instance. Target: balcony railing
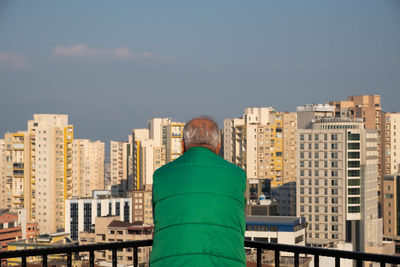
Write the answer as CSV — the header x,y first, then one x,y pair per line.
x,y
358,257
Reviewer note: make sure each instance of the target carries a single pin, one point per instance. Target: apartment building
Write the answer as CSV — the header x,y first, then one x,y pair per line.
x,y
153,147
87,167
142,209
80,214
259,141
144,154
51,175
336,185
15,173
390,143
13,228
369,109
111,229
119,156
391,209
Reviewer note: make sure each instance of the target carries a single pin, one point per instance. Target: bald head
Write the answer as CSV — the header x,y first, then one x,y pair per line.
x,y
202,132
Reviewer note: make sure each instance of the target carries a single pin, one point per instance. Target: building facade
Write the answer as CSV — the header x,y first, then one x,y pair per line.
x,y
119,154
81,214
391,209
110,229
336,185
87,167
262,143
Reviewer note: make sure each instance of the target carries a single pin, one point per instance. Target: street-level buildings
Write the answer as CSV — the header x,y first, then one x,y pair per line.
x,y
111,229
81,213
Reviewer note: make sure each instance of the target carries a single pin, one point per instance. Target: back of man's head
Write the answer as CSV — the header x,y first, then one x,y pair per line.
x,y
201,131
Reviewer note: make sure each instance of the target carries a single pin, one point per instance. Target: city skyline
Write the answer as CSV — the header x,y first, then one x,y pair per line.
x,y
182,59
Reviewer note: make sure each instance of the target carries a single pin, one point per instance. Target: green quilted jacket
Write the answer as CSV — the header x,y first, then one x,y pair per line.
x,y
198,203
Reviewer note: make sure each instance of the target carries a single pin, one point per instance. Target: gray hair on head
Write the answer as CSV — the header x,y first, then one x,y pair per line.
x,y
201,131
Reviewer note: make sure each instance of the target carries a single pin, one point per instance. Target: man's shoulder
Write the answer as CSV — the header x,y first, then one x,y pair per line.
x,y
217,162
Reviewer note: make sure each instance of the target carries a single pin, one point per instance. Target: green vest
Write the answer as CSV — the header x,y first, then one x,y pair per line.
x,y
198,204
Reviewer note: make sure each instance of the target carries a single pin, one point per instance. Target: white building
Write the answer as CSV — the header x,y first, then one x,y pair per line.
x,y
80,214
276,229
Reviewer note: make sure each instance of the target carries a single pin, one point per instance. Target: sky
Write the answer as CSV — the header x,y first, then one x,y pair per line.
x,y
112,65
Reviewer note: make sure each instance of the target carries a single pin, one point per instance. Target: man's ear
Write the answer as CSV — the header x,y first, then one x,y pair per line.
x,y
183,146
218,148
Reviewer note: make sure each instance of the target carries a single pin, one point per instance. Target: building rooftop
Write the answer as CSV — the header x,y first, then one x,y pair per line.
x,y
274,219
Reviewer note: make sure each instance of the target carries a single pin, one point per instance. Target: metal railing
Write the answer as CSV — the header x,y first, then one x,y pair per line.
x,y
358,257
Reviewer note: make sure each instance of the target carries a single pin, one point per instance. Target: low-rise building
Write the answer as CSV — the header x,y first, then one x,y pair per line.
x,y
288,230
13,227
43,241
110,229
80,213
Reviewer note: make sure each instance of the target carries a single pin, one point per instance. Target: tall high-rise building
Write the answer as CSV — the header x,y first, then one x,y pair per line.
x,y
391,209
259,141
15,162
152,148
368,108
119,155
50,139
143,158
289,121
336,185
87,167
390,143
173,148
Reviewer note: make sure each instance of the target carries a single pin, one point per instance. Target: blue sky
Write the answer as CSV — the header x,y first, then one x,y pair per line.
x,y
113,65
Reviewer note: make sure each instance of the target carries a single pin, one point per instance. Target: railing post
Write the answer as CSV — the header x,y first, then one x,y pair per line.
x,y
383,264
359,263
277,261
23,263
316,261
69,259
258,257
91,258
44,260
135,257
337,262
114,257
296,259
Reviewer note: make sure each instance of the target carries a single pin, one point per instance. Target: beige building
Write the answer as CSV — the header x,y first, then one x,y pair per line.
x,y
336,192
110,229
142,209
51,175
152,148
15,163
369,109
119,154
87,167
390,143
259,141
391,209
36,170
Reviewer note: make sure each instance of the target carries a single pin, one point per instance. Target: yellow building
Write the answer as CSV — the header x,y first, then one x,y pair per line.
x,y
262,142
36,171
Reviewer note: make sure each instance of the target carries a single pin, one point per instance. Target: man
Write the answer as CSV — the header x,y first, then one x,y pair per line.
x,y
198,204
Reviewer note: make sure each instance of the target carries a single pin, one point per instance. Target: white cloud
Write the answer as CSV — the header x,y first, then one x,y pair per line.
x,y
122,53
12,61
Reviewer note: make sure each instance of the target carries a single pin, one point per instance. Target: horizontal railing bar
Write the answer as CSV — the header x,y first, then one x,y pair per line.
x,y
74,248
252,244
354,255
